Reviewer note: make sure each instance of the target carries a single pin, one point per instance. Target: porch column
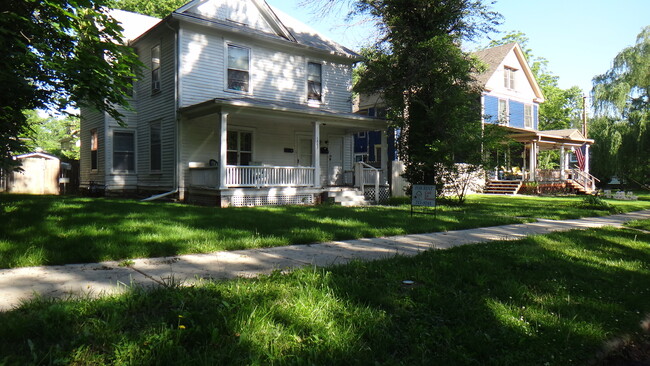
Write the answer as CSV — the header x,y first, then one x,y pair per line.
x,y
562,164
587,159
384,157
316,154
533,160
223,149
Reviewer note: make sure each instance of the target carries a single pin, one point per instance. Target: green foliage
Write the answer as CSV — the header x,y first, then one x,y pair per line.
x,y
562,108
58,136
158,8
426,81
547,300
58,54
622,101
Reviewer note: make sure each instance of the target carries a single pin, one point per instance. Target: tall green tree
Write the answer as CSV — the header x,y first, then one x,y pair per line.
x,y
427,80
622,100
562,108
58,54
58,136
154,8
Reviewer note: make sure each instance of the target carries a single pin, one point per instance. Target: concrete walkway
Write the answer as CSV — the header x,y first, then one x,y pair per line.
x,y
108,277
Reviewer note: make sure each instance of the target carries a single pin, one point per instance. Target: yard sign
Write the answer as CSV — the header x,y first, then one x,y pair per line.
x,y
423,195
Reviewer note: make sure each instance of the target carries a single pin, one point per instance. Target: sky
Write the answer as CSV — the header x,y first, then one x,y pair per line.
x,y
579,38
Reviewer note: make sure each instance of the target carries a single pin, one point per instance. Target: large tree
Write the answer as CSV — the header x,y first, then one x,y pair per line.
x,y
58,54
155,8
427,80
622,100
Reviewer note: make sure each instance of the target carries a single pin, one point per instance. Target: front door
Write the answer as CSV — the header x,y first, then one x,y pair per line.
x,y
335,161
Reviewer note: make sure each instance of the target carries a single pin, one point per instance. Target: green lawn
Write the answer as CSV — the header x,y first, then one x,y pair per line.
x,y
37,230
546,300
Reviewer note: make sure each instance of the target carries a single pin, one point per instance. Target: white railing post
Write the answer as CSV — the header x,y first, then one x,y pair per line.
x,y
377,174
223,150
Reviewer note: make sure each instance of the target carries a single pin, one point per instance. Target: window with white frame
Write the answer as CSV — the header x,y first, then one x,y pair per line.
x,y
528,116
314,81
509,77
123,151
93,149
155,68
240,148
155,146
238,68
503,111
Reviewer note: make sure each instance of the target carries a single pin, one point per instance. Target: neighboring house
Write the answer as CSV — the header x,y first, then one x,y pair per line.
x,y
511,98
239,105
39,174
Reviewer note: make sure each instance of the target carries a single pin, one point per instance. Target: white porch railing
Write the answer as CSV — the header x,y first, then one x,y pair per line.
x,y
367,175
269,176
585,179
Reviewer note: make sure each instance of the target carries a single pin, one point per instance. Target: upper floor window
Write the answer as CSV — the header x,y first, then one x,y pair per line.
x,y
314,81
503,112
93,149
155,68
509,77
124,151
528,116
238,68
155,144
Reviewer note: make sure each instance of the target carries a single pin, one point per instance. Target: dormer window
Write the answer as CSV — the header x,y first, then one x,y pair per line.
x,y
314,81
238,68
509,77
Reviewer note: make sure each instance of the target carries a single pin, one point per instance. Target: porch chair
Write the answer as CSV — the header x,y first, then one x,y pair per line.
x,y
620,195
630,196
607,193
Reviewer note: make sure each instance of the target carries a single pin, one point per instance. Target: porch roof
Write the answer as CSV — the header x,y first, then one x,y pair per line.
x,y
550,139
250,105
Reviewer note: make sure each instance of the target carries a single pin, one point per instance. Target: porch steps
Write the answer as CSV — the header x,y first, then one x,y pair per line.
x,y
346,196
578,187
502,187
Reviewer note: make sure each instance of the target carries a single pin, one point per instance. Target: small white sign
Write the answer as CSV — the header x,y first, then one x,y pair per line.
x,y
423,195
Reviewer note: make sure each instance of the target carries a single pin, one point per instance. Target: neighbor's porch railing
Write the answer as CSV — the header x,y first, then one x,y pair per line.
x,y
367,175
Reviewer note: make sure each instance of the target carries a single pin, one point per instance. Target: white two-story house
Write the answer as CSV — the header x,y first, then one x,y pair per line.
x,y
239,104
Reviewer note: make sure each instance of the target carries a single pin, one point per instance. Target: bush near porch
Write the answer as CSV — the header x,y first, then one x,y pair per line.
x,y
47,230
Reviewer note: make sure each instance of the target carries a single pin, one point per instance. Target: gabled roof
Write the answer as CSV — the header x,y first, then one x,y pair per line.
x,y
283,27
495,56
37,154
133,24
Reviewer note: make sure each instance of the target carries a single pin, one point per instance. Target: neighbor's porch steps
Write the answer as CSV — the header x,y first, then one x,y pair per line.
x,y
502,187
347,196
578,187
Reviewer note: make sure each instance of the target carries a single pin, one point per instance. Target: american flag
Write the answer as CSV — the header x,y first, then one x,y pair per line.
x,y
580,155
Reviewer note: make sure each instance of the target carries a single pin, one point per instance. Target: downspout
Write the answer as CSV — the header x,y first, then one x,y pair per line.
x,y
177,130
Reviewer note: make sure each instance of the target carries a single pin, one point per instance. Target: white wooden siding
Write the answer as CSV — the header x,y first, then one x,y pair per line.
x,y
156,106
523,91
242,12
277,74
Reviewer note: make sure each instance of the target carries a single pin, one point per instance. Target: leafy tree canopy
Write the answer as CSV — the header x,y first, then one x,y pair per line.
x,y
427,80
622,100
58,136
154,8
58,54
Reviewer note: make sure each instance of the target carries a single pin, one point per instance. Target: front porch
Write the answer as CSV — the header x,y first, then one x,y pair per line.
x,y
273,156
569,174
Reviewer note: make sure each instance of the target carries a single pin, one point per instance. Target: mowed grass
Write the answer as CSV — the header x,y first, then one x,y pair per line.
x,y
546,300
42,230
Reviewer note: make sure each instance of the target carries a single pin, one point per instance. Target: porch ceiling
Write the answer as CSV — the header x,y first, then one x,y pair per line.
x,y
550,139
285,111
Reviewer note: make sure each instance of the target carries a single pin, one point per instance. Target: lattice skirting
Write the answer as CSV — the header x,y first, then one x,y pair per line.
x,y
369,193
251,200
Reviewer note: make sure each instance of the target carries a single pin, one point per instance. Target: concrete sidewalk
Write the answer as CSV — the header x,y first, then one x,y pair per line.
x,y
108,277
